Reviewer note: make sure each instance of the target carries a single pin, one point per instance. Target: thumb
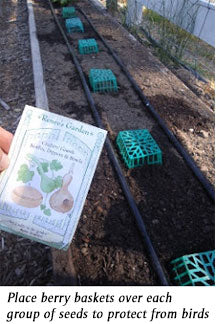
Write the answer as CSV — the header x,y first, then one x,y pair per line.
x,y
4,160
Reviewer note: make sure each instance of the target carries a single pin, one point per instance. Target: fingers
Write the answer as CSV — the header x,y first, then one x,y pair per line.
x,y
5,139
4,160
5,142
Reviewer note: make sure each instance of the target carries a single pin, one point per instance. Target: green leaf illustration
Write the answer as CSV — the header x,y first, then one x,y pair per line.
x,y
42,207
58,182
55,165
45,166
47,212
25,174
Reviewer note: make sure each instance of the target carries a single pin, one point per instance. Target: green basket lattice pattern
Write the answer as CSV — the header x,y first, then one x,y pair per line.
x,y
195,269
138,147
87,46
102,80
74,25
68,12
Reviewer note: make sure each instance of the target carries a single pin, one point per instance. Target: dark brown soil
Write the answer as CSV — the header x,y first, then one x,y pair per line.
x,y
107,248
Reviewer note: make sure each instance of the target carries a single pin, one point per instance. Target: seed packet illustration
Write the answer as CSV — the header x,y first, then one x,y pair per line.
x,y
52,163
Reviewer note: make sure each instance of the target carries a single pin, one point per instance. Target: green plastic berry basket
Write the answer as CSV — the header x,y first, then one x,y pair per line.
x,y
68,12
74,25
138,147
87,46
196,269
102,80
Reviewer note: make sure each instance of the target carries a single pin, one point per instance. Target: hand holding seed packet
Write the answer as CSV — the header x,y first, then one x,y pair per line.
x,y
5,142
53,160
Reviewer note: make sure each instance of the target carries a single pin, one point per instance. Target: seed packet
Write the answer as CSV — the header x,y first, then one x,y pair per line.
x,y
52,163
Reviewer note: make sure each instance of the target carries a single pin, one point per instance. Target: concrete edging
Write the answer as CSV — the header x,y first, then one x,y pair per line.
x,y
41,100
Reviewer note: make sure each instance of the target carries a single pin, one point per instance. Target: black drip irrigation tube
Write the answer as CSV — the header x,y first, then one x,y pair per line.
x,y
134,209
188,159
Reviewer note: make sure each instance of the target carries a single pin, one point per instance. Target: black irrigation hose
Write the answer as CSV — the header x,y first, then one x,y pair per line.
x,y
188,159
148,244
